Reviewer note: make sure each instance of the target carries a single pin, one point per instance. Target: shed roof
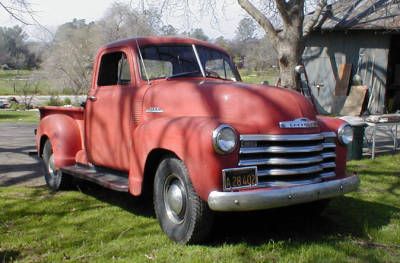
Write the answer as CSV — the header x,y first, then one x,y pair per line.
x,y
361,15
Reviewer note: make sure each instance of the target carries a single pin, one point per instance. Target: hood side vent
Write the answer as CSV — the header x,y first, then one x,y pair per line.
x,y
137,111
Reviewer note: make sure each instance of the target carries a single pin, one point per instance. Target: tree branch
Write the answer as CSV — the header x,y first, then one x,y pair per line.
x,y
282,7
308,27
12,14
261,19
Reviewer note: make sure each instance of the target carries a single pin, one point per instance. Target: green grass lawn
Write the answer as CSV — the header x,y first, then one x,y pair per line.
x,y
13,81
257,77
97,225
19,116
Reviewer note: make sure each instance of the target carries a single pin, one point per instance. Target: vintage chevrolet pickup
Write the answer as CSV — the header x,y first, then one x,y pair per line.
x,y
170,118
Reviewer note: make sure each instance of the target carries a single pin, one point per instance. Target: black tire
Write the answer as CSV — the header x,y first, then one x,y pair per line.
x,y
182,215
55,179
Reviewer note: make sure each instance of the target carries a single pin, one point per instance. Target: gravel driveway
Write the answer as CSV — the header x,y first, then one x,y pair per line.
x,y
17,166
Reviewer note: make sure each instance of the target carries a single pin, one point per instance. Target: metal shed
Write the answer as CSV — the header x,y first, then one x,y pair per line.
x,y
365,34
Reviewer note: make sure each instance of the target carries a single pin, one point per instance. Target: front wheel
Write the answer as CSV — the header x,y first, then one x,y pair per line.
x,y
55,179
183,216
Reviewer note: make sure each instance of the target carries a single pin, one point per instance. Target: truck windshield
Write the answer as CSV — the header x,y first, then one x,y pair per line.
x,y
174,61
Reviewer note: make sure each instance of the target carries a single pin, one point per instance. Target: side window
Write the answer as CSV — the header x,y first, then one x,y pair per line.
x,y
114,69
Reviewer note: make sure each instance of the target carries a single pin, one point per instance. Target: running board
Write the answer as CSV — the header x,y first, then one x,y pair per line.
x,y
107,179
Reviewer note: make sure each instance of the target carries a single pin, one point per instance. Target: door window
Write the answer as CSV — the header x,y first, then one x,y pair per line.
x,y
114,70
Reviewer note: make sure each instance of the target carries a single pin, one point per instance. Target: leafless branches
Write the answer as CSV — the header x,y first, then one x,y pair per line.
x,y
19,10
315,17
261,19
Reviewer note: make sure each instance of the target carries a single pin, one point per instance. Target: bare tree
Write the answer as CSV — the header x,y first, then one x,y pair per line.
x,y
288,40
122,21
69,59
282,21
246,29
19,10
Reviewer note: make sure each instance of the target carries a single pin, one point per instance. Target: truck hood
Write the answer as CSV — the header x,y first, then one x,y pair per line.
x,y
258,106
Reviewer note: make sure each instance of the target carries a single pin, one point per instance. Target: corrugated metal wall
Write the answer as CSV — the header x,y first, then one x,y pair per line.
x,y
366,51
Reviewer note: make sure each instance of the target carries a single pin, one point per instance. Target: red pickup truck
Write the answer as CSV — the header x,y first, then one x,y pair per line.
x,y
171,117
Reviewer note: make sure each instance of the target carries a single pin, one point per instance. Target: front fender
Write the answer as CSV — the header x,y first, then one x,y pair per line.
x,y
329,124
64,135
190,138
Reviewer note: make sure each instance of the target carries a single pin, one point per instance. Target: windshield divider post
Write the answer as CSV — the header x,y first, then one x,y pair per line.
x,y
142,61
198,60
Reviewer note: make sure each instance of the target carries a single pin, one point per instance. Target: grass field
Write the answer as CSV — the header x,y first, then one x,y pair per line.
x,y
257,77
12,82
19,116
97,225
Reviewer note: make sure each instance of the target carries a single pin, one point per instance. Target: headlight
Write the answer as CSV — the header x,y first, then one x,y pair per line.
x,y
345,134
224,139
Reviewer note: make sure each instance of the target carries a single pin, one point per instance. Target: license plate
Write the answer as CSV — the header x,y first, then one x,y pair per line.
x,y
240,178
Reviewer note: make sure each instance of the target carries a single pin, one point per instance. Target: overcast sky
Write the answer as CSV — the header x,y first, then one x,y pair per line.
x,y
52,13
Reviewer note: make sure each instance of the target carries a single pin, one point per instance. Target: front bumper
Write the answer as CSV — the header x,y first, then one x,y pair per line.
x,y
271,198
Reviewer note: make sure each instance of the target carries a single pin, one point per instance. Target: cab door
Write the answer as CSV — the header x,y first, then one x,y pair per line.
x,y
109,111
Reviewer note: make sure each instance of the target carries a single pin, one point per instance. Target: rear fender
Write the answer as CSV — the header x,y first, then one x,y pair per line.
x,y
64,135
190,139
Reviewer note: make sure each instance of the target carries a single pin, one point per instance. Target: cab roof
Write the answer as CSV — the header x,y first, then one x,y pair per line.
x,y
154,40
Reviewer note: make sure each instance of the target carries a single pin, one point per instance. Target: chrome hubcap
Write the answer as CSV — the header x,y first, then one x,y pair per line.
x,y
174,199
51,167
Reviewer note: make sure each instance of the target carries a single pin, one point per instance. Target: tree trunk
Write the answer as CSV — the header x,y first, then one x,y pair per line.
x,y
290,50
289,42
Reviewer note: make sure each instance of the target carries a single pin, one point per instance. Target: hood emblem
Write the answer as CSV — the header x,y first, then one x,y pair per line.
x,y
155,110
298,123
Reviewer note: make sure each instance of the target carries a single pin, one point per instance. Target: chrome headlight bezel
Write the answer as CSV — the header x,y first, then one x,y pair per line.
x,y
219,145
345,134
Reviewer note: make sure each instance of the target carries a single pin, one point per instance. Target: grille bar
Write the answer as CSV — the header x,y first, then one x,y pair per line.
x,y
328,175
264,137
328,134
290,171
281,149
281,161
328,165
328,145
328,155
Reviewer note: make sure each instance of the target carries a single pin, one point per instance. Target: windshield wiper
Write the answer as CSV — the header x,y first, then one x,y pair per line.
x,y
183,74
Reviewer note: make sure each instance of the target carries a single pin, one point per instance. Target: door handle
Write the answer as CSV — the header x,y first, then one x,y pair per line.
x,y
92,98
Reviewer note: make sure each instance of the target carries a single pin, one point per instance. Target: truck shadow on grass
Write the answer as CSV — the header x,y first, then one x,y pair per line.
x,y
344,217
9,255
136,205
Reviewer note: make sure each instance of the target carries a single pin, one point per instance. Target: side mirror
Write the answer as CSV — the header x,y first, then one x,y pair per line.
x,y
299,69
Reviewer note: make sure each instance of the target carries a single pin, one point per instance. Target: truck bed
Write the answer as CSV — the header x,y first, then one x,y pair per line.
x,y
74,112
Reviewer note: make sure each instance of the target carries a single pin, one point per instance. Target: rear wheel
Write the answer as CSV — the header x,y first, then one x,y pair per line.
x,y
183,216
55,179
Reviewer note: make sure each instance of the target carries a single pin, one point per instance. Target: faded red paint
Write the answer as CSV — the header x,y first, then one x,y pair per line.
x,y
116,132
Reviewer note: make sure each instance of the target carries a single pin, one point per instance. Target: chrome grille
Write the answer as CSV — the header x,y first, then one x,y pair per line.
x,y
289,158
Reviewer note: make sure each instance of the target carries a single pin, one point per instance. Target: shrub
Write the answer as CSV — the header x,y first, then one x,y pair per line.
x,y
54,101
16,106
67,101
